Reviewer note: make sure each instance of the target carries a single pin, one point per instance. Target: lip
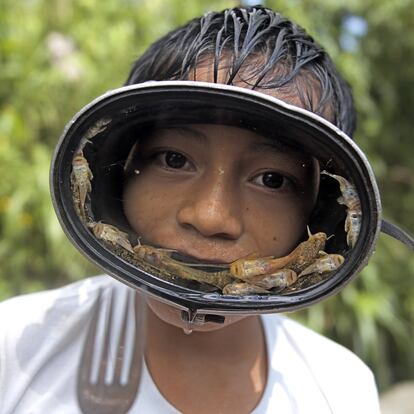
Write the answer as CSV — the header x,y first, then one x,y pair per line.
x,y
201,258
204,259
191,254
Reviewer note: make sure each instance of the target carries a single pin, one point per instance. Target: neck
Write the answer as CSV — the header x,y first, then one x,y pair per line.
x,y
222,362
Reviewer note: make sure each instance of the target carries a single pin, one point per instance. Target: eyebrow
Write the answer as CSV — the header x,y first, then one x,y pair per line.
x,y
266,144
188,132
273,145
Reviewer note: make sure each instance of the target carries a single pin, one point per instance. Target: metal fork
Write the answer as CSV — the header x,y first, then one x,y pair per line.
x,y
109,375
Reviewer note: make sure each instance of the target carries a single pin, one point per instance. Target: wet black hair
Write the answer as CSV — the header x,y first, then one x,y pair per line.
x,y
259,48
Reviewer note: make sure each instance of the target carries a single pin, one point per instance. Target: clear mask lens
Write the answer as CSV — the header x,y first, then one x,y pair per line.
x,y
136,140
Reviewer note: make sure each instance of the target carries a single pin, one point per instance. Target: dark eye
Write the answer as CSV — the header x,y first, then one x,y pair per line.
x,y
271,180
174,159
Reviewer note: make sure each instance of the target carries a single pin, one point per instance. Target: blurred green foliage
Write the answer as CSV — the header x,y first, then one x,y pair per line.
x,y
56,55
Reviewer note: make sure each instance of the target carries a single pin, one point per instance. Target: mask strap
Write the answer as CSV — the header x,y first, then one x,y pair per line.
x,y
395,232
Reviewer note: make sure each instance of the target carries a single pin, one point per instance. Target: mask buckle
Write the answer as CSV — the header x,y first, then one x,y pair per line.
x,y
192,318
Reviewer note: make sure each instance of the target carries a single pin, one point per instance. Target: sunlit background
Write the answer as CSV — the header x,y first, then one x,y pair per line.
x,y
56,55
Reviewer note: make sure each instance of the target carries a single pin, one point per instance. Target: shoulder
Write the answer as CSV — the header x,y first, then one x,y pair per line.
x,y
40,330
312,344
50,312
34,305
342,376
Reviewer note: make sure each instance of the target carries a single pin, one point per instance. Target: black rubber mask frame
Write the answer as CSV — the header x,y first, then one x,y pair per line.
x,y
105,130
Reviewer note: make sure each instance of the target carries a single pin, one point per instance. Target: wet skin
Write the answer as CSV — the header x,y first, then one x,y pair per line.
x,y
231,195
219,193
219,206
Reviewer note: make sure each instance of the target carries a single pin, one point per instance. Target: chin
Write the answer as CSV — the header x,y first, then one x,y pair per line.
x,y
172,316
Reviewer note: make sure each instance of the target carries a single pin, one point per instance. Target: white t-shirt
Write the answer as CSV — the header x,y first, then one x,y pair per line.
x,y
42,337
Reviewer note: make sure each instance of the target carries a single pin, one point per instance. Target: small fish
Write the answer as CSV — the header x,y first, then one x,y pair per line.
x,y
325,264
353,226
81,177
243,288
279,280
351,200
99,126
160,258
111,234
301,257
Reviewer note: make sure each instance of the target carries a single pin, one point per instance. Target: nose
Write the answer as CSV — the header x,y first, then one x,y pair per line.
x,y
212,209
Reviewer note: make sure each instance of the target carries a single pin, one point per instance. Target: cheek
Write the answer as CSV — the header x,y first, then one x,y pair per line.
x,y
144,207
277,228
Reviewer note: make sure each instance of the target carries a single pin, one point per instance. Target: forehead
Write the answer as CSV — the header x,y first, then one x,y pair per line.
x,y
225,142
206,134
304,90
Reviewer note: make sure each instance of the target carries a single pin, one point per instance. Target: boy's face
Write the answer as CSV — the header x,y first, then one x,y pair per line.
x,y
219,193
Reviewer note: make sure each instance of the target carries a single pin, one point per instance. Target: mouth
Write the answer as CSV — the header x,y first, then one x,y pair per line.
x,y
190,257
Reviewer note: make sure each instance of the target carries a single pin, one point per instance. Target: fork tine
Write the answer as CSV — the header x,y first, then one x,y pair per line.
x,y
87,355
140,308
107,340
97,390
122,345
132,340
